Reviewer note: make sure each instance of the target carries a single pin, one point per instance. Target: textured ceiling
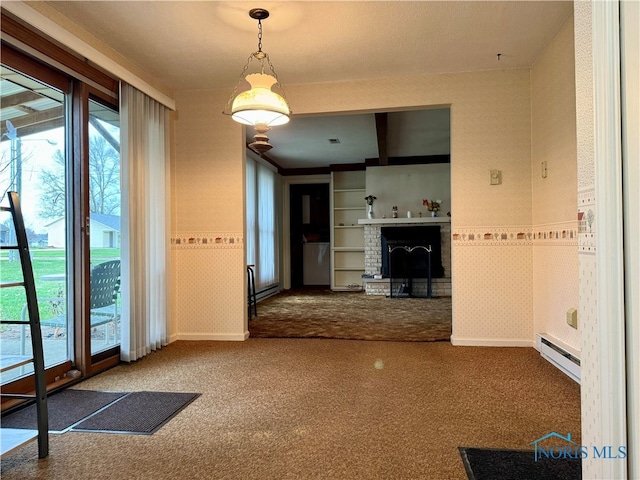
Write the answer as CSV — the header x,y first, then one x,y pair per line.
x,y
201,45
189,45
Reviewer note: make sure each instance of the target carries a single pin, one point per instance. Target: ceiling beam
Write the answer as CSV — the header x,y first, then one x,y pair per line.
x,y
414,160
381,132
37,122
19,99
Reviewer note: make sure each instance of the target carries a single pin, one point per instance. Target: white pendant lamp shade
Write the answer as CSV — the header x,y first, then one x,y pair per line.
x,y
260,105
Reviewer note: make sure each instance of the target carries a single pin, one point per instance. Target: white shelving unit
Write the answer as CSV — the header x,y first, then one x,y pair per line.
x,y
347,234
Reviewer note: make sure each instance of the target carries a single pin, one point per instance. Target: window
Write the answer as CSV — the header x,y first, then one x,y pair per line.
x,y
60,146
33,163
262,235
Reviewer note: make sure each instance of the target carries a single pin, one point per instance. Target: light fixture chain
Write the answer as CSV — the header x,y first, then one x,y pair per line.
x,y
243,74
259,35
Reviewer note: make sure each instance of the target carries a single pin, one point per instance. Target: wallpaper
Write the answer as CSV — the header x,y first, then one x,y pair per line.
x,y
207,241
590,361
554,189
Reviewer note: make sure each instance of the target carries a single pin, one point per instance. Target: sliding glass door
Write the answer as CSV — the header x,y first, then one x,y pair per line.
x,y
104,229
60,150
34,164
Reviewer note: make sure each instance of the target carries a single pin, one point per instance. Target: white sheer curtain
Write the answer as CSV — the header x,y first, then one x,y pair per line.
x,y
145,254
262,234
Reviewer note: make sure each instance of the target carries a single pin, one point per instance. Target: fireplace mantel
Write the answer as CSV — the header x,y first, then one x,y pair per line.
x,y
403,220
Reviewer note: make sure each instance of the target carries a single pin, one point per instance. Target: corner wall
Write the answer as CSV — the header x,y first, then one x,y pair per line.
x,y
207,239
555,205
590,342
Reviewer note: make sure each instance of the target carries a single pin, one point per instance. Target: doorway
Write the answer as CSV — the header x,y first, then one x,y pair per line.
x,y
309,235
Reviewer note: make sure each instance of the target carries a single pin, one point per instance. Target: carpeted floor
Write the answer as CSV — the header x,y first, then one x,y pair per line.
x,y
321,313
318,409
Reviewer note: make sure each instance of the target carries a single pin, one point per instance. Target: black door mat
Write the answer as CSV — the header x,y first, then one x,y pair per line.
x,y
498,464
137,413
65,408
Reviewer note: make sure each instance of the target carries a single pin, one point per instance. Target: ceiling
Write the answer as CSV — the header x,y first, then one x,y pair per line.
x,y
200,45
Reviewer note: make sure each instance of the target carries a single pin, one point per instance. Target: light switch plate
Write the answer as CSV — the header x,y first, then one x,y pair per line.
x,y
495,177
543,169
572,317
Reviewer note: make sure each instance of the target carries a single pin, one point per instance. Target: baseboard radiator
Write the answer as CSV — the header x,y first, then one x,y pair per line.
x,y
559,354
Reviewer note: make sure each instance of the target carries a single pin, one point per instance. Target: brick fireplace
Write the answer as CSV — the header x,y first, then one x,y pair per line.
x,y
373,255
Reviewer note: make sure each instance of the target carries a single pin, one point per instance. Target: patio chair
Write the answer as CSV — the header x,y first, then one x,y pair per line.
x,y
105,287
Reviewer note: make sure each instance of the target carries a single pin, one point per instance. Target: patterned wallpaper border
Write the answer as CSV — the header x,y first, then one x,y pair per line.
x,y
561,233
225,240
586,210
565,233
492,236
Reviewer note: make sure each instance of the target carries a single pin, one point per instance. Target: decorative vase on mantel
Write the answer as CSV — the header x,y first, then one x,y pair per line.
x,y
434,213
370,212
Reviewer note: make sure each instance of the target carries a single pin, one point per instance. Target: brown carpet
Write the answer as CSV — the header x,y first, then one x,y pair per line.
x,y
321,313
274,409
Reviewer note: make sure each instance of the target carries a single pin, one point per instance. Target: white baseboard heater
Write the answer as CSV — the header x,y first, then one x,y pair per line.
x,y
559,354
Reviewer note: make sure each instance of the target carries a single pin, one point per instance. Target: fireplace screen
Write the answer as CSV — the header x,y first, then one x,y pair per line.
x,y
403,264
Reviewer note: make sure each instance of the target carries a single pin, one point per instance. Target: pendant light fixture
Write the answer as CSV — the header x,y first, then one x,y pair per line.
x,y
259,106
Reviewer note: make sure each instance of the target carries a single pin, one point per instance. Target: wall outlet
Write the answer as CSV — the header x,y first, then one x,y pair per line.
x,y
572,318
543,169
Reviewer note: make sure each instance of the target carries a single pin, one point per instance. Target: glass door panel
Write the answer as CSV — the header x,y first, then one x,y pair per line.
x,y
33,162
104,229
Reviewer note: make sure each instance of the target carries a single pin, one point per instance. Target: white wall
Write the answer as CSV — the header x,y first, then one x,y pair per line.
x,y
555,203
406,185
590,356
57,234
207,240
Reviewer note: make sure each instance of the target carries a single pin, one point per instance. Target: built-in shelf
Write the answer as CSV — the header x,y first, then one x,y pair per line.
x,y
347,234
378,221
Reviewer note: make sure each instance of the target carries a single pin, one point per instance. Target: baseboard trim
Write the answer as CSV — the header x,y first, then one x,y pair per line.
x,y
486,342
224,337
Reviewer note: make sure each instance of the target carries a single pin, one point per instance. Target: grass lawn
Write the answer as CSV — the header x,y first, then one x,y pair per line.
x,y
45,261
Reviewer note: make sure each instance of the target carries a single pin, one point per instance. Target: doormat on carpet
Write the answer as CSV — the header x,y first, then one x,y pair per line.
x,y
65,408
498,464
137,412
